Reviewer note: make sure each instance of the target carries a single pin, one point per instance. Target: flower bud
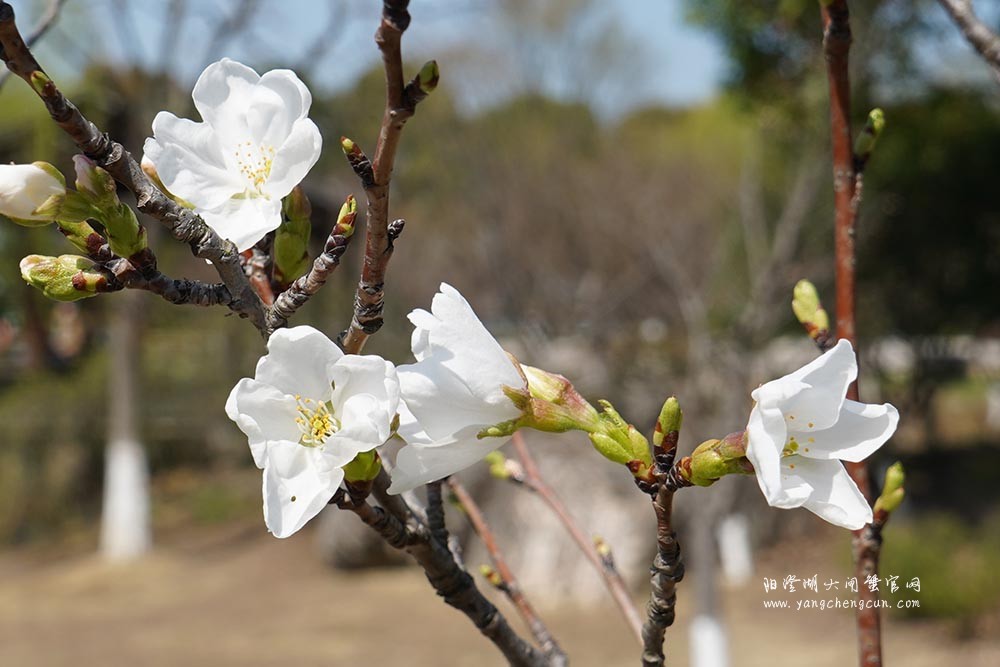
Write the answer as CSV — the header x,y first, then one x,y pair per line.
x,y
809,311
492,576
64,278
714,459
363,468
892,490
91,180
83,237
98,189
619,441
498,465
346,217
868,137
31,194
291,240
429,76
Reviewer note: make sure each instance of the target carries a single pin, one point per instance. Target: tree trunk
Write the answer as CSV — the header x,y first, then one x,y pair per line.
x,y
126,532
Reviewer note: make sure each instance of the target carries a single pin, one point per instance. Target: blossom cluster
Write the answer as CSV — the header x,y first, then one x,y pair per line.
x,y
316,418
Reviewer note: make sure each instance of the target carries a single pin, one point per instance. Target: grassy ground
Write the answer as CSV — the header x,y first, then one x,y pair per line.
x,y
231,595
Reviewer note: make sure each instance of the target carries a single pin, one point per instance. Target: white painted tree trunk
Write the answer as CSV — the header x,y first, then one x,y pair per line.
x,y
125,525
708,642
126,531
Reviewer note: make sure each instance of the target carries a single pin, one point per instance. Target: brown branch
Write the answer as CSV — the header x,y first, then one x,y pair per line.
x,y
668,567
510,587
47,20
305,287
605,565
451,582
836,48
258,272
982,39
140,272
399,107
183,224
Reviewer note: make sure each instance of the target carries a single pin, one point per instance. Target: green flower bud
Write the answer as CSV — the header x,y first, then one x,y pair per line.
x,y
491,576
363,468
892,490
809,311
83,237
40,81
498,465
429,77
97,188
291,240
714,459
868,137
668,423
346,217
64,278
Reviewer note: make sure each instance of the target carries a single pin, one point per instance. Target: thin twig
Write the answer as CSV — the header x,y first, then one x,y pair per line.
x,y
399,107
305,287
836,48
982,39
605,566
451,582
510,587
47,20
183,224
667,568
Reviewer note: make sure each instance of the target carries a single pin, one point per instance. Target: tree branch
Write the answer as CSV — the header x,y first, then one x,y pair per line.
x,y
305,287
46,21
846,173
605,565
451,582
399,107
183,224
982,39
554,654
667,568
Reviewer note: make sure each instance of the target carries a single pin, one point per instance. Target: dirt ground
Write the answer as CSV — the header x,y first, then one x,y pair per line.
x,y
242,598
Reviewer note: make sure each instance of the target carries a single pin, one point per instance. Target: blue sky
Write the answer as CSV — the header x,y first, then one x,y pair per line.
x,y
673,64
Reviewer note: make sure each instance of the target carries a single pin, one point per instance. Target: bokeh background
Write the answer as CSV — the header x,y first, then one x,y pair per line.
x,y
626,192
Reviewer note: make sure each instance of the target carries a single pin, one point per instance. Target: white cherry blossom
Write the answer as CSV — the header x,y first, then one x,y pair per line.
x,y
308,411
26,188
254,145
452,393
802,427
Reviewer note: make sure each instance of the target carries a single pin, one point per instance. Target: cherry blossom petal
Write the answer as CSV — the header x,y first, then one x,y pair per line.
x,y
417,465
860,430
263,413
222,95
833,494
765,442
461,344
828,377
444,403
297,486
296,362
244,221
189,160
295,157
